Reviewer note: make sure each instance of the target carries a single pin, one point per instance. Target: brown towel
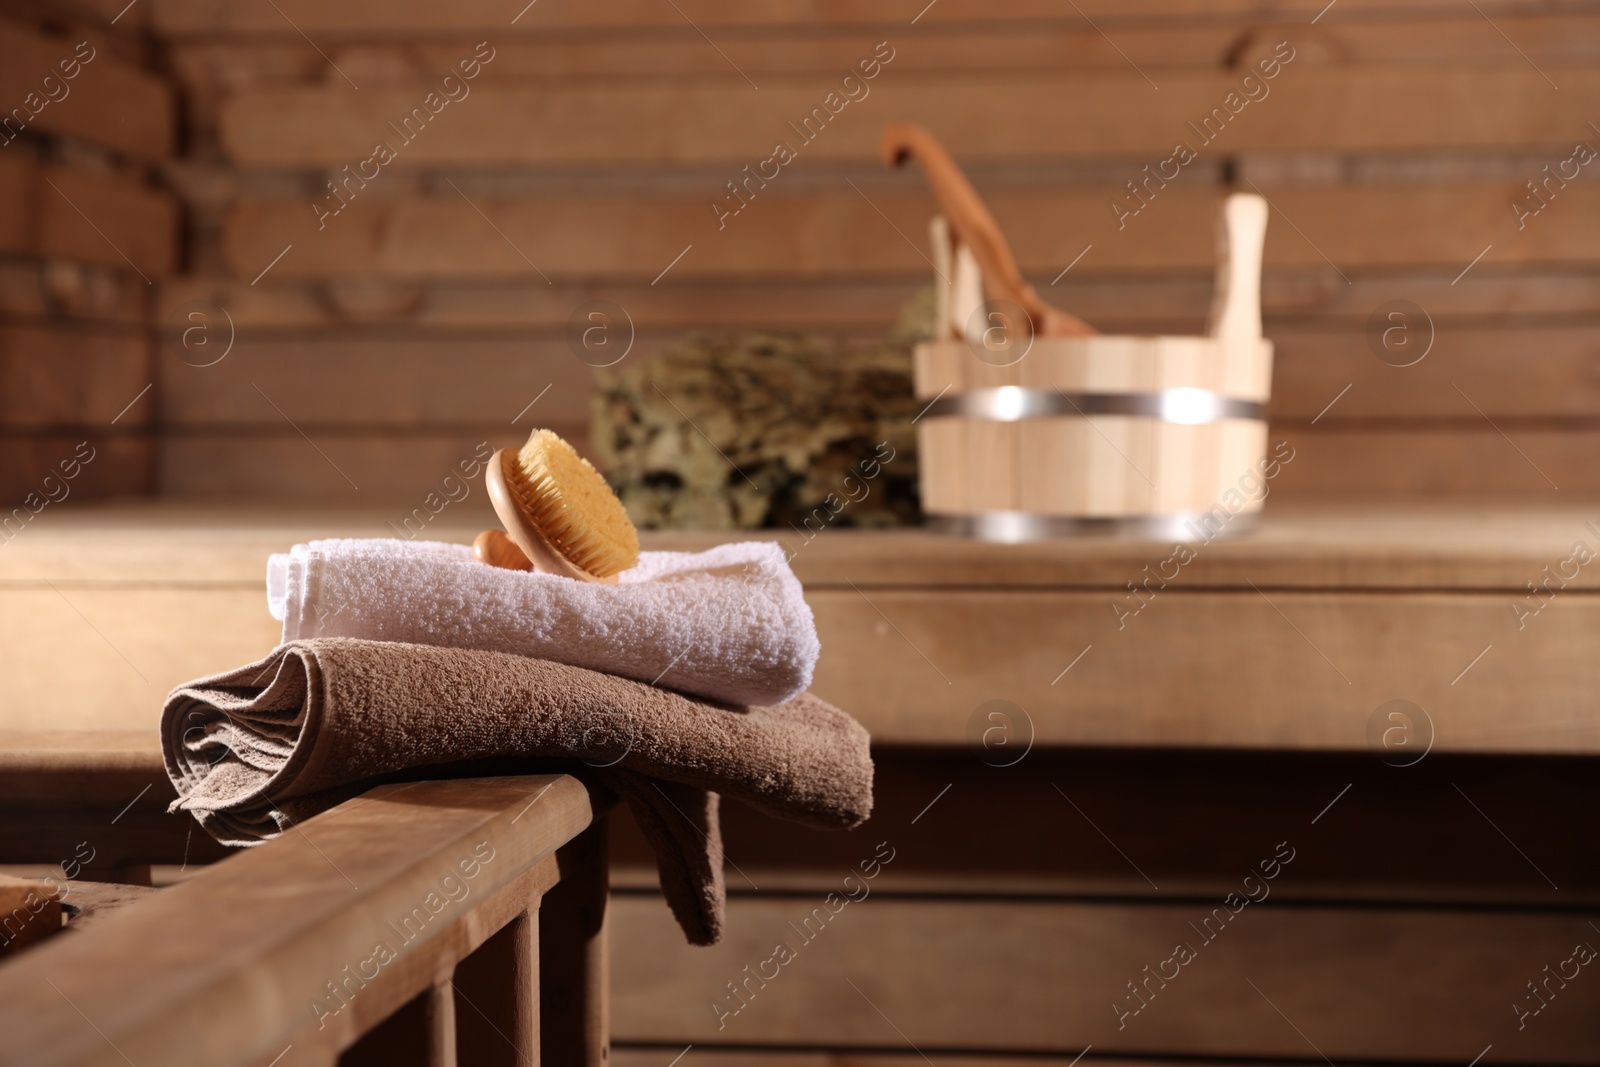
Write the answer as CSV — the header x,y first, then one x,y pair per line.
x,y
254,750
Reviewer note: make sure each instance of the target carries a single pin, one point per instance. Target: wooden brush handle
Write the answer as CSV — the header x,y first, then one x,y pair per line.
x,y
521,531
976,228
496,549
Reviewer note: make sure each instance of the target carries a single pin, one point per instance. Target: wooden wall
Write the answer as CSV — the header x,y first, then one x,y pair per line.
x,y
585,158
86,237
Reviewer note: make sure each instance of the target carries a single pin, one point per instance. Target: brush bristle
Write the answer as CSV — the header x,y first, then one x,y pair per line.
x,y
569,501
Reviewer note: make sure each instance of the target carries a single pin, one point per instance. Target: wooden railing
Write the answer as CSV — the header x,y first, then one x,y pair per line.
x,y
431,923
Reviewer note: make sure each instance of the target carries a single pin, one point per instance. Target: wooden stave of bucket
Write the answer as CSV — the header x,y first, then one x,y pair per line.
x,y
1010,473
1169,432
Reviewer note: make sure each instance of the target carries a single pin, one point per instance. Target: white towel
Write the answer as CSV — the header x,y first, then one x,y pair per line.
x,y
730,624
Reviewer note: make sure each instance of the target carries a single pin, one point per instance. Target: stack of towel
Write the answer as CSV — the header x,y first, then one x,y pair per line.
x,y
684,680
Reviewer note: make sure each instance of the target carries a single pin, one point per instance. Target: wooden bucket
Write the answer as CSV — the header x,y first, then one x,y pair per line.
x,y
1025,438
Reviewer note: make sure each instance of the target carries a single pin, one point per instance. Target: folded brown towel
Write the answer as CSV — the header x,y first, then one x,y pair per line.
x,y
255,750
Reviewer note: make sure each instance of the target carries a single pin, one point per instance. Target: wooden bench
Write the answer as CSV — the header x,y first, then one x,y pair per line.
x,y
1170,758
431,923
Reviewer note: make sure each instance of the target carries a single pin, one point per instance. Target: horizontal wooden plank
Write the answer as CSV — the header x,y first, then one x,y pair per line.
x,y
814,235
53,377
104,100
969,976
47,292
656,1055
108,17
913,666
116,661
377,377
123,465
228,65
1535,462
1150,304
918,664
1190,821
1353,461
299,908
1396,546
185,17
395,468
980,118
1522,373
381,379
978,848
61,212
822,306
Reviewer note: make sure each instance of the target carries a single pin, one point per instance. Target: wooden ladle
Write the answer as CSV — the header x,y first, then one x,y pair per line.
x,y
976,228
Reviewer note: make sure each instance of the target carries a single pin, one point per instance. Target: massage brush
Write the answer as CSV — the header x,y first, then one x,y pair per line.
x,y
560,516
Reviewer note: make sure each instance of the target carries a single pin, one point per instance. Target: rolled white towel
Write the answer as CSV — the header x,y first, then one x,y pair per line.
x,y
730,624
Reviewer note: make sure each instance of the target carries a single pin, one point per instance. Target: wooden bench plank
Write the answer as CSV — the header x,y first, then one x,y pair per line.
x,y
252,941
124,665
1476,547
655,1055
919,663
916,672
1389,984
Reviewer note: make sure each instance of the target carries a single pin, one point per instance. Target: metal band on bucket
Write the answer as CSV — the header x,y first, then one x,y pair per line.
x,y
1014,527
1013,403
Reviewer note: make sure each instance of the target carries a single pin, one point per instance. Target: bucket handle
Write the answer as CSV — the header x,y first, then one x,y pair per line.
x,y
976,230
1236,306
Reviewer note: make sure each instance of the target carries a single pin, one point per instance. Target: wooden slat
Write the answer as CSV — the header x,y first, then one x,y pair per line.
x,y
574,957
1191,822
654,1056
281,920
996,46
108,102
93,218
392,468
497,1019
916,672
1522,373
123,466
916,664
31,290
1394,547
1531,461
376,378
185,17
123,665
628,236
51,377
497,305
1114,114
1150,304
1387,984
